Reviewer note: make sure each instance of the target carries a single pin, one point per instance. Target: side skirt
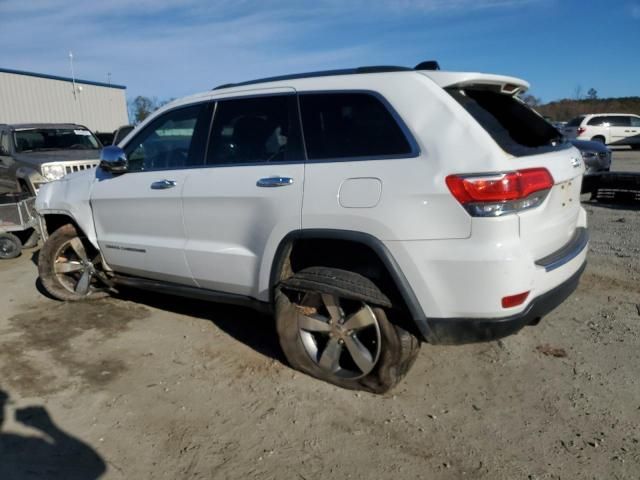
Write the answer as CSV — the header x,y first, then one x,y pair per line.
x,y
193,292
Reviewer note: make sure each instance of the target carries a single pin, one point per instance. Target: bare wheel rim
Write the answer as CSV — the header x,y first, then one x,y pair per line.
x,y
7,247
74,268
342,337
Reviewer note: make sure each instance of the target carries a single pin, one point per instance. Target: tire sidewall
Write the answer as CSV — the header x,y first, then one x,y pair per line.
x,y
46,260
387,372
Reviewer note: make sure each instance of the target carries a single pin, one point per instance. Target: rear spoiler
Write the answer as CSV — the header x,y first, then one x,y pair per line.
x,y
508,85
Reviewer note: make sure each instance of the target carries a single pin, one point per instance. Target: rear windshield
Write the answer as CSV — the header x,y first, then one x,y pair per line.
x,y
514,126
575,122
32,139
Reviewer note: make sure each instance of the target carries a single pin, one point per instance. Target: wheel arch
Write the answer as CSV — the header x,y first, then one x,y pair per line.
x,y
366,253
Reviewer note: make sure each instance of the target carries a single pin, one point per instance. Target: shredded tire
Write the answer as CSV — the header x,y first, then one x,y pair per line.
x,y
399,347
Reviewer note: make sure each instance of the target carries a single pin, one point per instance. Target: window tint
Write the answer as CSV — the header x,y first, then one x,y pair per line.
x,y
32,139
254,130
4,143
344,125
173,140
635,121
612,121
597,121
575,122
620,121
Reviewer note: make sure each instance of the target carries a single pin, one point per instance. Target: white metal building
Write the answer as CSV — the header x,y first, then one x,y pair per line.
x,y
27,97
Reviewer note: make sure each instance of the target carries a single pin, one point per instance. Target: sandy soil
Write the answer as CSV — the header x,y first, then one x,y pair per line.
x,y
142,386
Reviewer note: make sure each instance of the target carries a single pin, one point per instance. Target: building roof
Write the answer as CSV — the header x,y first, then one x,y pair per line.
x,y
64,79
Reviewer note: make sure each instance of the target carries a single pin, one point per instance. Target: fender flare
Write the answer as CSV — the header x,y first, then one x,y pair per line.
x,y
376,245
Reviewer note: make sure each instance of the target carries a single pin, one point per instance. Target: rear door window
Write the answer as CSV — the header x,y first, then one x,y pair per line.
x,y
513,125
351,125
635,122
255,130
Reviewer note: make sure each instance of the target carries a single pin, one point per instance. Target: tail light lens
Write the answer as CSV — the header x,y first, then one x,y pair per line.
x,y
514,300
498,194
581,130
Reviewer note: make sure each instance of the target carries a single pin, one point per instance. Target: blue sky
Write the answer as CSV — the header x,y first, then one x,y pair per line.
x,y
172,48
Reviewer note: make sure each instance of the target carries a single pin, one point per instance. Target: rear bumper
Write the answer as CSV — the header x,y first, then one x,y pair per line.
x,y
468,330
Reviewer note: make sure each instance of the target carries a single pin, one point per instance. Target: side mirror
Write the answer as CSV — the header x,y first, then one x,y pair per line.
x,y
113,159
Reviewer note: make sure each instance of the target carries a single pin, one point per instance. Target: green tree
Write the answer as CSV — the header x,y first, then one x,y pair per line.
x,y
592,94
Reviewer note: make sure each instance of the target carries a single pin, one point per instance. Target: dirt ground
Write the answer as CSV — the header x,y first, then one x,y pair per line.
x,y
145,386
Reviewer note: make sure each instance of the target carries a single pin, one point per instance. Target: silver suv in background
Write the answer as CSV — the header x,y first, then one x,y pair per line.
x,y
608,128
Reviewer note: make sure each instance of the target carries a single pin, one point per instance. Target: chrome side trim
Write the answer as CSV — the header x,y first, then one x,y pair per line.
x,y
567,253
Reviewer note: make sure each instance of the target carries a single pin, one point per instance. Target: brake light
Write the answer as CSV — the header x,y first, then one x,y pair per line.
x,y
581,130
514,300
496,194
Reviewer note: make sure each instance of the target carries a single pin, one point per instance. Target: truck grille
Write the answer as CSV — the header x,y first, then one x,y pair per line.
x,y
70,167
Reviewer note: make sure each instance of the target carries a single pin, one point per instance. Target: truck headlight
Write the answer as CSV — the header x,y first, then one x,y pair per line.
x,y
53,172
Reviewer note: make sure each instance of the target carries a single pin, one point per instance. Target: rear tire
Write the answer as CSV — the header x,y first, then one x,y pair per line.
x,y
318,333
599,139
69,267
10,246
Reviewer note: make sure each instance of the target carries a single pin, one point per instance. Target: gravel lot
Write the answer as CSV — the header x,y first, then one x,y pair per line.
x,y
143,386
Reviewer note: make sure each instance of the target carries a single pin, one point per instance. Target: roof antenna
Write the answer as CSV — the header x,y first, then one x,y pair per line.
x,y
428,65
73,77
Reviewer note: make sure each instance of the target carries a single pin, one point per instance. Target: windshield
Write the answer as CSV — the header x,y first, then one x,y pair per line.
x,y
28,140
514,126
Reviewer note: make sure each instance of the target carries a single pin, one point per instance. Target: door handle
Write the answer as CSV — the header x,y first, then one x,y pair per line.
x,y
274,182
163,184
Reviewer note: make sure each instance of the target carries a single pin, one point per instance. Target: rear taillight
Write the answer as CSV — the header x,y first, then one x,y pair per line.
x,y
581,130
496,194
514,300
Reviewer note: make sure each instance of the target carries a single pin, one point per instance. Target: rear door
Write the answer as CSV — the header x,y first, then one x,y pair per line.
x,y
620,126
248,196
138,215
634,139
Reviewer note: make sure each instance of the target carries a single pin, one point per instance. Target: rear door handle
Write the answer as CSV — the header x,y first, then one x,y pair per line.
x,y
163,184
274,182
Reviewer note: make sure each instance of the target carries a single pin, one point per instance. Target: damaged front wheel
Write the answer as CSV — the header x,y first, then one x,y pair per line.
x,y
70,268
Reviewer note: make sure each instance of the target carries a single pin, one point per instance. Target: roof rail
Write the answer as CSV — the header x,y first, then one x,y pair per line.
x,y
323,73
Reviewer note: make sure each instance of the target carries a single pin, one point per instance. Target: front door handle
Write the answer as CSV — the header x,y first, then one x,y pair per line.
x,y
163,184
274,182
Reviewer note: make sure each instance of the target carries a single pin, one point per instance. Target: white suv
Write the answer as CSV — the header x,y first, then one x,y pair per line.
x,y
609,128
369,209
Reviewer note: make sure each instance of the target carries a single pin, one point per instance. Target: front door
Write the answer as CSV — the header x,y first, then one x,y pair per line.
x,y
138,214
249,195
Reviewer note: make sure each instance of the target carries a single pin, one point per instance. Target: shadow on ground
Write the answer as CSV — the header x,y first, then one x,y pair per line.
x,y
255,330
54,454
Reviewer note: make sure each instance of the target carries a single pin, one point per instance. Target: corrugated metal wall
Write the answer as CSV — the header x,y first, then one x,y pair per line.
x,y
29,98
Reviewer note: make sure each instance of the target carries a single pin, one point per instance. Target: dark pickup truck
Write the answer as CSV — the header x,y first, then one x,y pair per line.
x,y
33,154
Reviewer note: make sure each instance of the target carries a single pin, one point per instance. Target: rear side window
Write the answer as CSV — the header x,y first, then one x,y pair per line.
x,y
512,124
350,125
635,122
575,122
4,144
610,121
255,130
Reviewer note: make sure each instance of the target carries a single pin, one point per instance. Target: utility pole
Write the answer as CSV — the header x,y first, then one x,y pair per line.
x,y
73,77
